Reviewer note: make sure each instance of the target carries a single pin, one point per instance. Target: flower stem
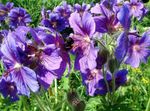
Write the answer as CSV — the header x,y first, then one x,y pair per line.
x,y
56,100
105,79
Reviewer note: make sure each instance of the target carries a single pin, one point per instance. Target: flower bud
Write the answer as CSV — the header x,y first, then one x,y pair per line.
x,y
75,102
113,65
102,58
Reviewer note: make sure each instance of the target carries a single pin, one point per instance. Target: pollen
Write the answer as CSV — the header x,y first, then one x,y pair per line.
x,y
2,12
136,48
17,65
87,39
134,7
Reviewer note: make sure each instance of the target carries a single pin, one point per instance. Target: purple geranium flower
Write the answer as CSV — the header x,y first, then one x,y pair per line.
x,y
52,58
4,10
8,88
136,8
112,4
106,21
90,79
64,10
120,79
24,77
81,8
55,22
18,17
138,49
84,29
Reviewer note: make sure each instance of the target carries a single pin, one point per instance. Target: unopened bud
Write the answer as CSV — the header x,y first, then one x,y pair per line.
x,y
113,65
102,58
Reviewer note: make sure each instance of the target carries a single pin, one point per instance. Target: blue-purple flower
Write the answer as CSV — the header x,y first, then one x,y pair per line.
x,y
120,79
4,10
106,20
84,29
81,8
24,77
55,22
136,8
138,49
91,79
64,10
18,17
8,88
52,58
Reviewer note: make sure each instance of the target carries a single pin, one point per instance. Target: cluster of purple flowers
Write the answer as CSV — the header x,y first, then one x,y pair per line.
x,y
16,16
34,57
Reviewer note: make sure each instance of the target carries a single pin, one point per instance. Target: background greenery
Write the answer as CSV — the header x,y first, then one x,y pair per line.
x,y
133,96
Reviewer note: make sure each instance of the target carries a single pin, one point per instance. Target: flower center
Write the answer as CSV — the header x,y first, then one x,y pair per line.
x,y
136,48
17,66
93,74
19,19
87,39
54,24
134,7
2,12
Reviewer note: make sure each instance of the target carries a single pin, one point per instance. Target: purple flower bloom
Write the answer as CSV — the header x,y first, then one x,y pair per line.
x,y
106,21
19,17
8,88
64,10
110,4
4,10
52,58
45,13
133,49
136,8
90,79
120,79
24,77
55,21
81,8
84,29
138,49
